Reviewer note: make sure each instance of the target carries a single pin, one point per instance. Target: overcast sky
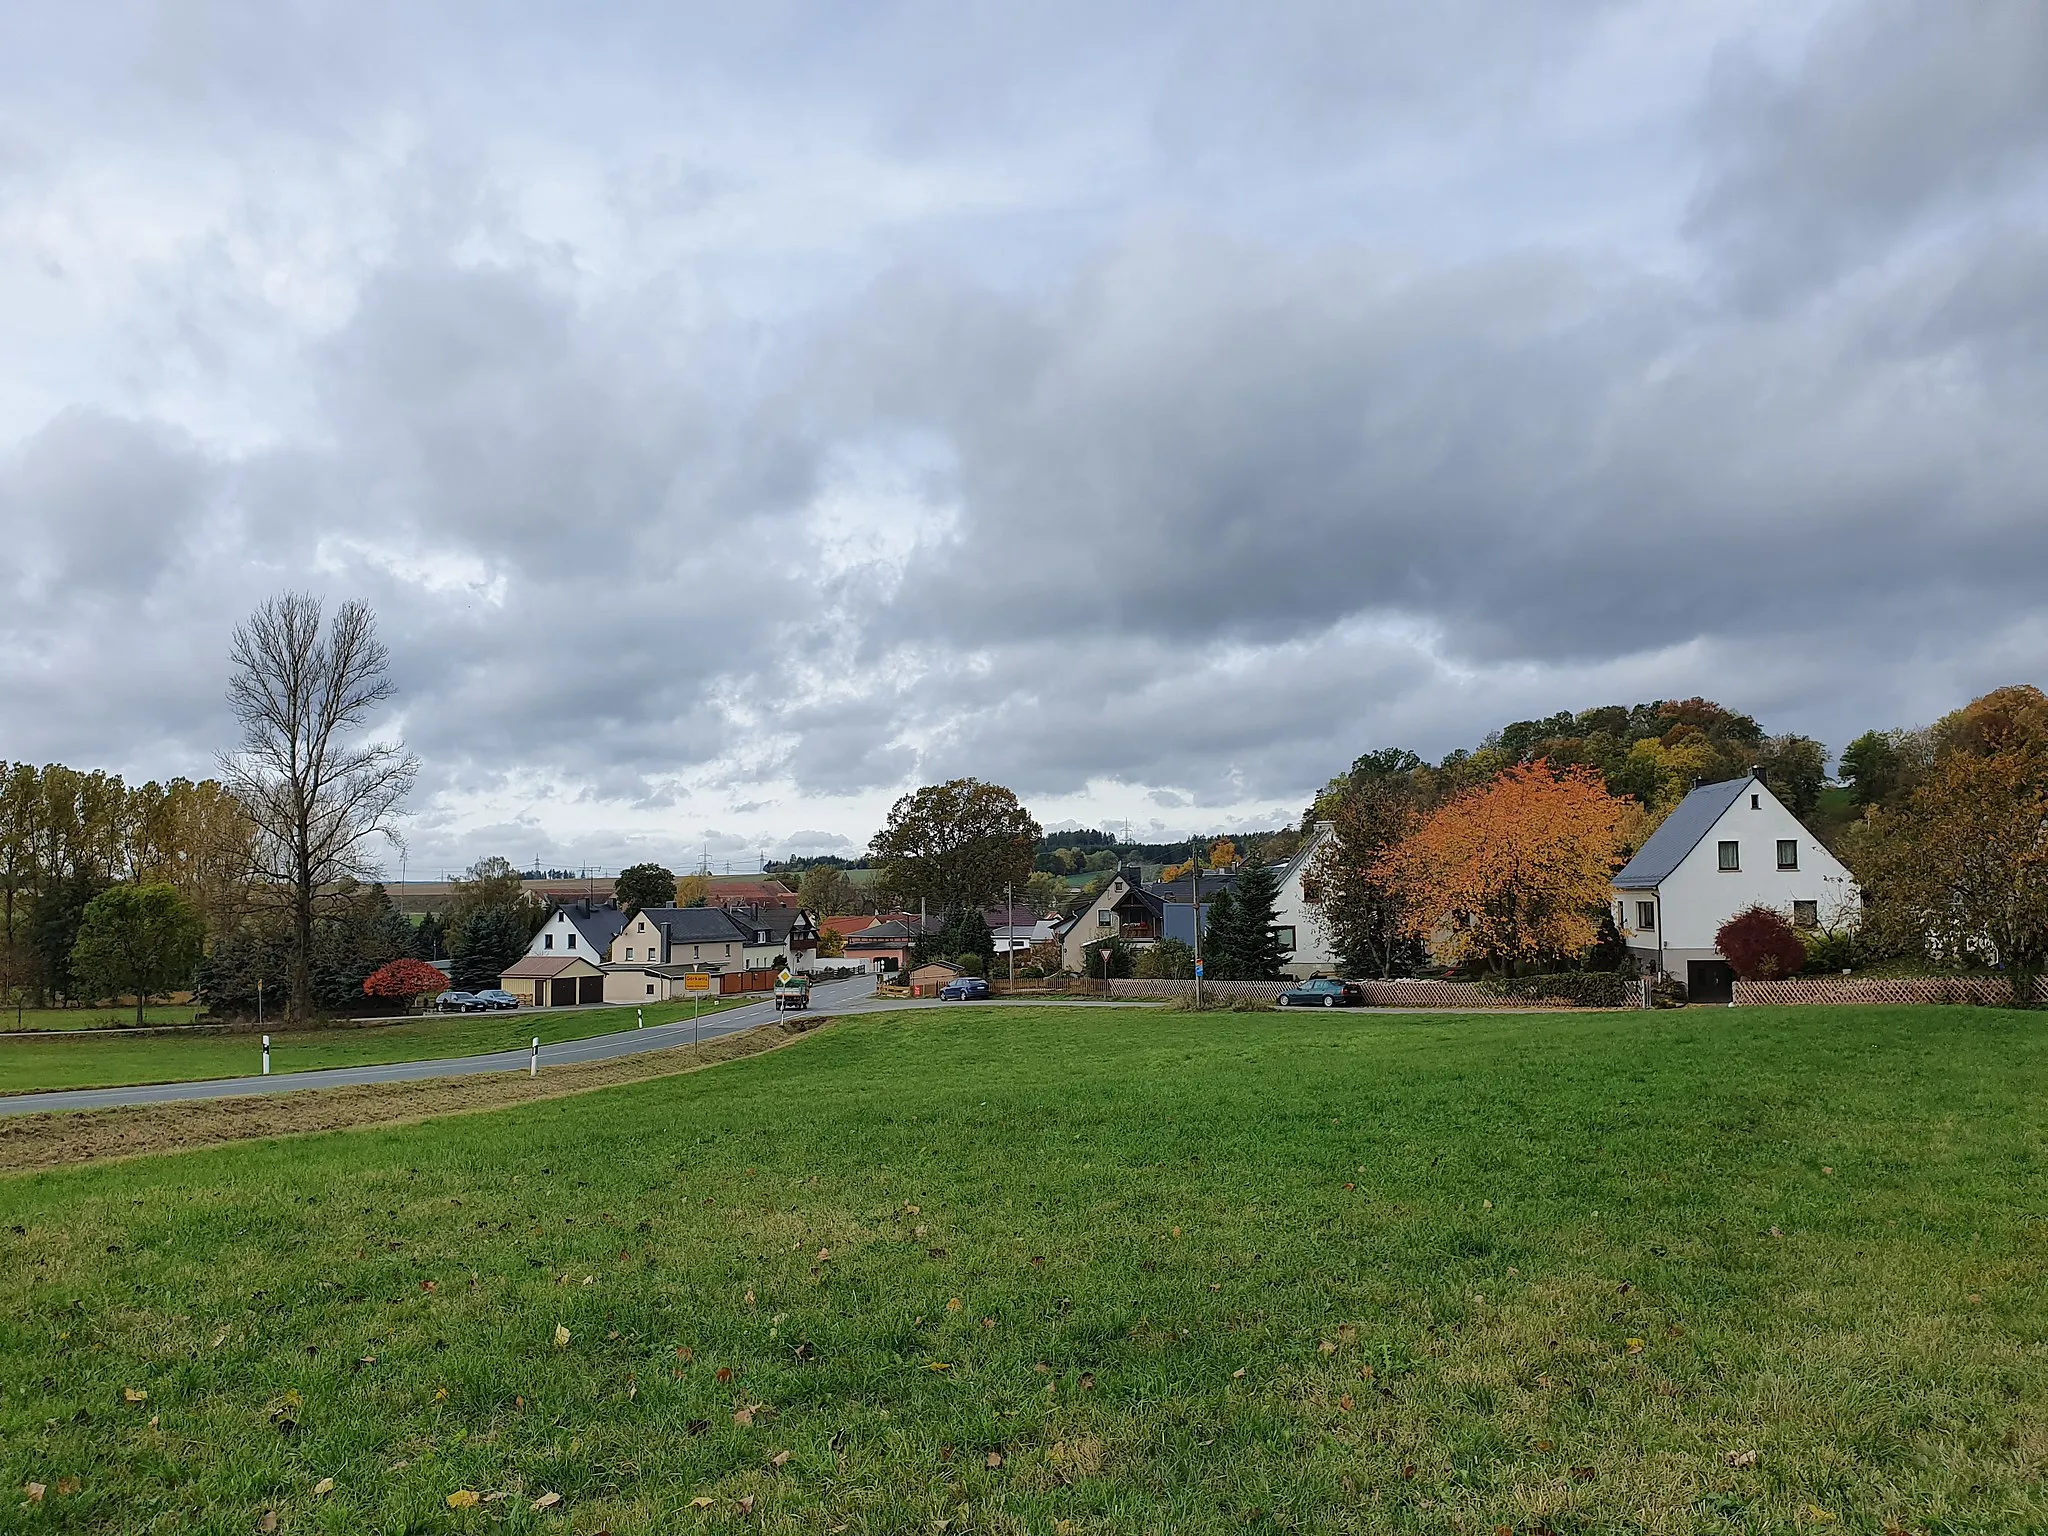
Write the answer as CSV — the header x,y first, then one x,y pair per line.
x,y
739,414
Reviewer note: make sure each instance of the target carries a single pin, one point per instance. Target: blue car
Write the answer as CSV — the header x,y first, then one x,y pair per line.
x,y
1322,992
965,990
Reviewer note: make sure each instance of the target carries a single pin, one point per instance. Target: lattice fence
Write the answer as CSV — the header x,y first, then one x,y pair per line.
x,y
1983,991
1458,996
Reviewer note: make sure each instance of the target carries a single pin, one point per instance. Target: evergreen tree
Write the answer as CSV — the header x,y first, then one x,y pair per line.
x,y
1242,945
430,939
492,939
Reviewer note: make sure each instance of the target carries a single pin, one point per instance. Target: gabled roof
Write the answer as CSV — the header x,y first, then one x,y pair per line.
x,y
889,933
545,966
698,925
1680,833
598,925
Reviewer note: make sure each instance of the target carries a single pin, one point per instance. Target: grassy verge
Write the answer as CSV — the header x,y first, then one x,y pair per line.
x,y
105,1061
1071,1271
96,1018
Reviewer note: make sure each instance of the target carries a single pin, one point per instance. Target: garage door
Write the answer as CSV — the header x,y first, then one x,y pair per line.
x,y
593,988
1709,981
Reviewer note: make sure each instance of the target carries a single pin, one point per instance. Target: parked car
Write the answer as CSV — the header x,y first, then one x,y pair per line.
x,y
1322,992
494,997
965,990
459,1002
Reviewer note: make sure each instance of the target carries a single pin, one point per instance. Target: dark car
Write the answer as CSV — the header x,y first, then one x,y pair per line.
x,y
459,1002
497,998
965,990
1322,992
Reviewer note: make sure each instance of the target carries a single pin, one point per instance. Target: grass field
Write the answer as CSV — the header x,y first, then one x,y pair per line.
x,y
106,1060
1062,1271
96,1018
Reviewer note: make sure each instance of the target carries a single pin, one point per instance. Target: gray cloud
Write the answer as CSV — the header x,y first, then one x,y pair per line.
x,y
735,418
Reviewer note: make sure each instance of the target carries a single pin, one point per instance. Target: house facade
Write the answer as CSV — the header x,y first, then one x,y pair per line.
x,y
581,928
655,949
554,981
1725,847
1300,927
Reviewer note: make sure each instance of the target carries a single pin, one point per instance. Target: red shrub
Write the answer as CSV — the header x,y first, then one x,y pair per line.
x,y
1761,945
404,978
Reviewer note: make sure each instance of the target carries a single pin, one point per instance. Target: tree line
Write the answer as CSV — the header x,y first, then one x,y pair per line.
x,y
1498,858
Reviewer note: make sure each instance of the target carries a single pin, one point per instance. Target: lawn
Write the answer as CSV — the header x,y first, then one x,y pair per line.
x,y
106,1060
1065,1271
101,1017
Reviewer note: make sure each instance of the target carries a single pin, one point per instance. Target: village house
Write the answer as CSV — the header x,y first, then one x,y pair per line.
x,y
1726,847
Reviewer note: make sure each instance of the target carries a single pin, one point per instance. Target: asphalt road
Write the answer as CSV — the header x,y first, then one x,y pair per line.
x,y
839,997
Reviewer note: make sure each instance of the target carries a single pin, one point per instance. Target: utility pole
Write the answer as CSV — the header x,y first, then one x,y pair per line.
x,y
1010,922
1195,891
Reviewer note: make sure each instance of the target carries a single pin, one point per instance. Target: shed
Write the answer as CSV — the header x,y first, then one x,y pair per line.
x,y
553,981
932,975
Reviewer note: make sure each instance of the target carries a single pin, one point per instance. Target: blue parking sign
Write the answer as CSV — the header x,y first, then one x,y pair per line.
x,y
1198,970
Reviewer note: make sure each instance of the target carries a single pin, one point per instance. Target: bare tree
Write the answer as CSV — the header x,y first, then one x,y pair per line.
x,y
316,798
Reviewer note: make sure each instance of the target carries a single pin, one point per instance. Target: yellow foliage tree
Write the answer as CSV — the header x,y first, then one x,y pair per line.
x,y
1512,870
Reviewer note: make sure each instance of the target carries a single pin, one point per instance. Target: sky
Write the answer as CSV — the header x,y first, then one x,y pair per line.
x,y
738,415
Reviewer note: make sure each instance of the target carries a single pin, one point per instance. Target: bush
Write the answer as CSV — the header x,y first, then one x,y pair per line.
x,y
1211,1003
1581,989
1839,951
1761,944
1668,992
969,963
405,980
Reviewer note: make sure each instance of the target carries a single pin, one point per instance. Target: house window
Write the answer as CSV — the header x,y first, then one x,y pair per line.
x,y
1788,853
629,952
1646,916
1805,914
1731,855
547,941
1756,802
572,941
696,951
650,989
1104,918
1286,938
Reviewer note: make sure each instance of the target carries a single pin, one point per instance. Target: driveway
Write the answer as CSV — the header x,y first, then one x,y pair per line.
x,y
839,997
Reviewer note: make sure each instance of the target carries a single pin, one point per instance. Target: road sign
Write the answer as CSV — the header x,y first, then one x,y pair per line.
x,y
1198,970
696,981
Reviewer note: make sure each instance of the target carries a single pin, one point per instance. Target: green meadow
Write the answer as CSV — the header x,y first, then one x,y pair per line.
x,y
112,1058
1060,1270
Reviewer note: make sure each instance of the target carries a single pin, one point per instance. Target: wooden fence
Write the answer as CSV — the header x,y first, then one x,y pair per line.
x,y
1979,991
1458,996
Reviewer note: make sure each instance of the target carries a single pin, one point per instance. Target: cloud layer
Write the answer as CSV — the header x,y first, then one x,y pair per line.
x,y
735,421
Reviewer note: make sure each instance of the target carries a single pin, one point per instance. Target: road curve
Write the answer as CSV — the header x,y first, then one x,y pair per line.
x,y
852,996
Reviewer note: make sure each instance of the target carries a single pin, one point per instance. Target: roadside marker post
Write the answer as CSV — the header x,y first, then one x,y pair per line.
x,y
641,1015
533,1066
266,1055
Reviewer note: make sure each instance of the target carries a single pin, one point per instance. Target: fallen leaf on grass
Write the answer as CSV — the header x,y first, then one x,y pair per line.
x,y
1815,1515
1087,1381
725,1373
67,1485
134,1395
561,1336
1776,1233
430,1286
1345,1402
34,1491
547,1501
993,1460
462,1498
1633,1346
1742,1458
440,1394
745,1504
1238,1374
940,1365
702,1501
268,1522
824,1254
1327,1347
685,1354
325,1485
779,1459
954,1305
1546,1445
1585,1474
744,1417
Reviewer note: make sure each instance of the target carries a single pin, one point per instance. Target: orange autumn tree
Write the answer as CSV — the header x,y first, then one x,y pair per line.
x,y
1511,870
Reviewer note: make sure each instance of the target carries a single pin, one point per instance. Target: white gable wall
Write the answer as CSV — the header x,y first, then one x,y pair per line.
x,y
558,937
1697,897
1312,952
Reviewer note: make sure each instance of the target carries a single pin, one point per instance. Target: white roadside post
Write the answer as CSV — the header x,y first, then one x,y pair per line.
x,y
533,1066
641,1015
266,1055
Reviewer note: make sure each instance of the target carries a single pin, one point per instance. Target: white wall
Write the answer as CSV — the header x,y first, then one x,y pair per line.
x,y
561,930
1312,950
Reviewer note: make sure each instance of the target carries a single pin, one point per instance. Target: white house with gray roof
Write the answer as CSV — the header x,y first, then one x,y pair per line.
x,y
1725,847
